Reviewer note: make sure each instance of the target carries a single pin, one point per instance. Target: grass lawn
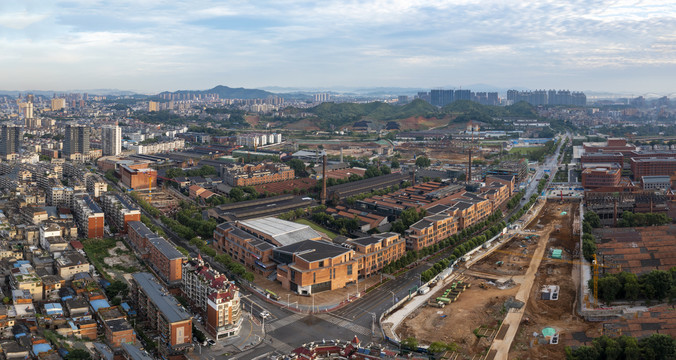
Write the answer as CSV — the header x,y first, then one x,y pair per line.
x,y
329,233
524,149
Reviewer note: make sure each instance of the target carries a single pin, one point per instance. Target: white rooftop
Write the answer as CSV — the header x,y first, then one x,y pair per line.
x,y
284,232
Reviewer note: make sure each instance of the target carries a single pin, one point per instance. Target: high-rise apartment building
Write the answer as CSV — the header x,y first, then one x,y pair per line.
x,y
76,140
441,97
111,138
58,104
153,106
10,140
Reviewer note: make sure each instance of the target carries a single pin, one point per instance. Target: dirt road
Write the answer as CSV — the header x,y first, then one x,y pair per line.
x,y
501,345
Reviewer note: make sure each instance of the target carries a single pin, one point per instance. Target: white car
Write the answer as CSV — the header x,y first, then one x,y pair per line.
x,y
265,314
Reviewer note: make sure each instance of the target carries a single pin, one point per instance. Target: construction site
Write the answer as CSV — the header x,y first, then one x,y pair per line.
x,y
516,300
162,198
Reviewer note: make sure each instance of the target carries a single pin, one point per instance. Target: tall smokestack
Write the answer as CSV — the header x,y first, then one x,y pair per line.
x,y
341,155
469,167
323,197
413,178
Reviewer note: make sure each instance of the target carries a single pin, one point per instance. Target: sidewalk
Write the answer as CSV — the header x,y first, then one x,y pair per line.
x,y
250,335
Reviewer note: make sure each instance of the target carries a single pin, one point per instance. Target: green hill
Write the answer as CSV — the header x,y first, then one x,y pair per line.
x,y
343,114
225,92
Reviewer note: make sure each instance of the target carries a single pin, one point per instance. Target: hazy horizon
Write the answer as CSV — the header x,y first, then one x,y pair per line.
x,y
601,46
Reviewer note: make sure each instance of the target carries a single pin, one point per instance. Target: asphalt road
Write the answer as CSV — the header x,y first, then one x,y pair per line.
x,y
286,330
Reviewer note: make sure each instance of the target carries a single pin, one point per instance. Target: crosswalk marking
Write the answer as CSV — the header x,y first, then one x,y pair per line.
x,y
283,322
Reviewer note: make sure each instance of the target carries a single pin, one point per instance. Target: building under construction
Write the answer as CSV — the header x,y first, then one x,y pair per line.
x,y
609,206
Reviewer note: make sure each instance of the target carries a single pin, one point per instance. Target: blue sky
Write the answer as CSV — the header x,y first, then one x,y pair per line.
x,y
150,45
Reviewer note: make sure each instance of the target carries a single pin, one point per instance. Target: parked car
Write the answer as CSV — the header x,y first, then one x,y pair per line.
x,y
265,314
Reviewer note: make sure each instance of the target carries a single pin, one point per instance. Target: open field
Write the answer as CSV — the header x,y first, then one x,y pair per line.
x,y
328,232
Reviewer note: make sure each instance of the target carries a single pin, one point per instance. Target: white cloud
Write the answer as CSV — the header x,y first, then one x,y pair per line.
x,y
341,42
20,20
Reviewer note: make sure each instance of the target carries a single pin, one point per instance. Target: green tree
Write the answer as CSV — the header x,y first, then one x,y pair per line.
x,y
410,343
658,347
609,288
298,167
422,162
592,218
631,350
78,354
395,164
236,194
586,353
659,280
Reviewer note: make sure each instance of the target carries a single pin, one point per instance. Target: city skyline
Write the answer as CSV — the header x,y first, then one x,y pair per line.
x,y
611,46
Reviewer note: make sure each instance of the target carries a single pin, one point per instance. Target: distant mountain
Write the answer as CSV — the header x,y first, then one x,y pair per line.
x,y
225,92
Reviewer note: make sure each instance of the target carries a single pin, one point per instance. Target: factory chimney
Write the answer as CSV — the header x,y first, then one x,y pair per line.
x,y
323,197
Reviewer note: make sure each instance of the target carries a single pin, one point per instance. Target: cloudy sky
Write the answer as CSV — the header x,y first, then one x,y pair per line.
x,y
151,45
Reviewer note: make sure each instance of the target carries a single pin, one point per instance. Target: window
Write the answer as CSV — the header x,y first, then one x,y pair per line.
x,y
321,263
314,277
349,269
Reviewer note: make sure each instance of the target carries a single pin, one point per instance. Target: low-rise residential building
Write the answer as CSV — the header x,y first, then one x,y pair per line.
x,y
373,252
256,174
23,277
95,184
120,211
60,196
214,296
166,260
89,217
161,255
51,239
117,329
160,312
70,263
139,234
158,147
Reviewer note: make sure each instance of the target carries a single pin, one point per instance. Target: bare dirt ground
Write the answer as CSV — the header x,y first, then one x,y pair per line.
x,y
120,255
252,120
478,307
475,308
421,123
305,124
559,314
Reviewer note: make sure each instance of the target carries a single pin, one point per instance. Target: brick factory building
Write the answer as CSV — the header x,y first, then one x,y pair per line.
x,y
601,177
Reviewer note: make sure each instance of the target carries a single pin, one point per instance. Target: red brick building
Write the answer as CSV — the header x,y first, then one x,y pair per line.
x,y
601,177
602,158
159,312
653,166
138,178
613,145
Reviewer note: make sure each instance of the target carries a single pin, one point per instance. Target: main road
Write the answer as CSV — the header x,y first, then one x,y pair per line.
x,y
286,330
